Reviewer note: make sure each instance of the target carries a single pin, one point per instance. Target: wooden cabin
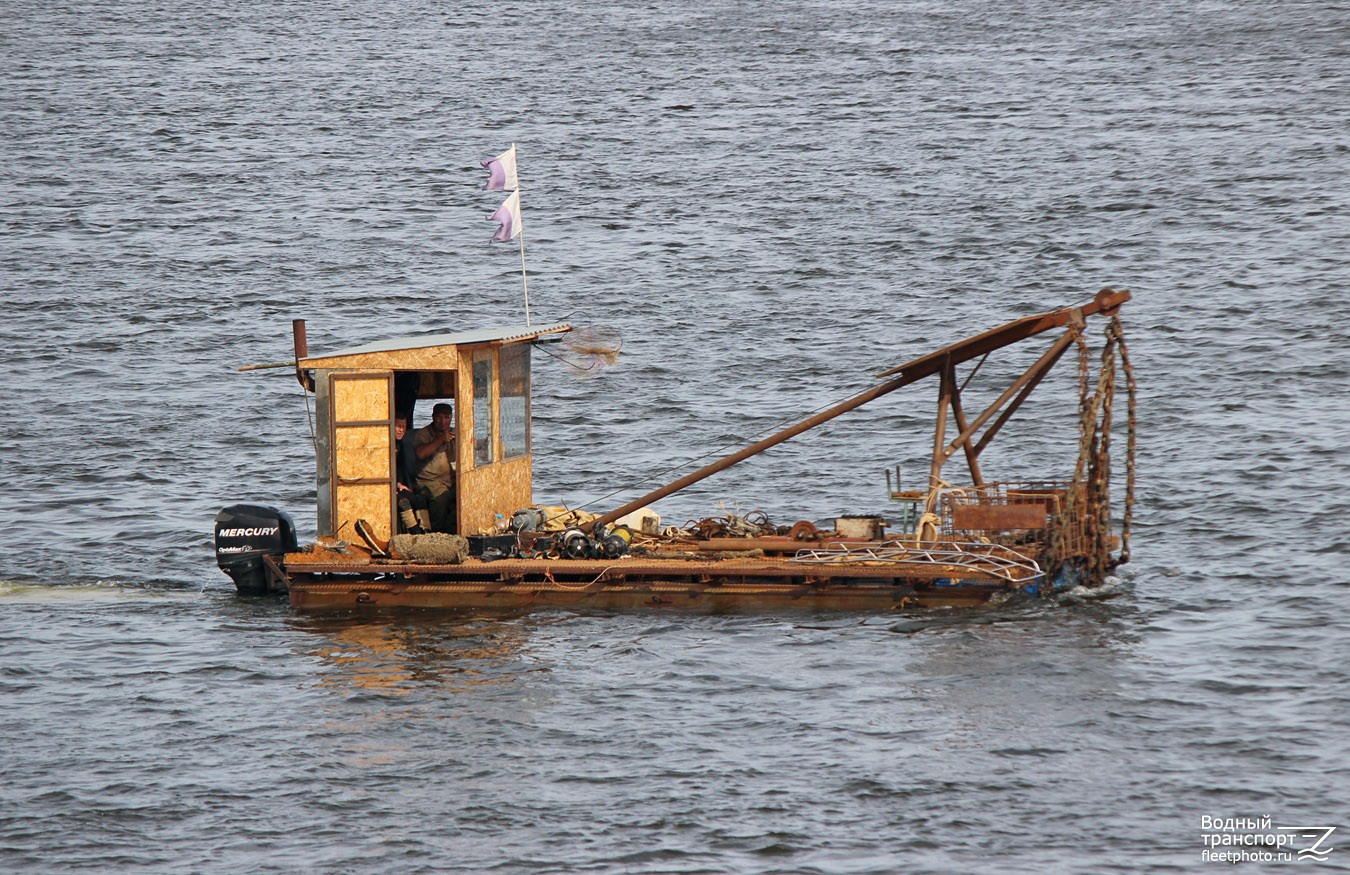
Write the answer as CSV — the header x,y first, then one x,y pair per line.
x,y
484,375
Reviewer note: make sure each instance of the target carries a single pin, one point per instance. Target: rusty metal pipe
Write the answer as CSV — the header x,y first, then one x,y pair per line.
x,y
753,449
298,336
301,343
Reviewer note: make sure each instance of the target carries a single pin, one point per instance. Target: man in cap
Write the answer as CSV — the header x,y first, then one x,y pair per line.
x,y
434,447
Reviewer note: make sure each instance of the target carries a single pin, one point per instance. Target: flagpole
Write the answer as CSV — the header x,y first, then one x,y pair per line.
x,y
524,283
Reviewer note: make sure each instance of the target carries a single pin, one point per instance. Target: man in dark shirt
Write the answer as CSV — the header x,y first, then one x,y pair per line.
x,y
412,507
402,450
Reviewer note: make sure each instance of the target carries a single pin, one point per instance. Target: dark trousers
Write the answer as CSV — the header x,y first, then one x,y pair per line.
x,y
441,503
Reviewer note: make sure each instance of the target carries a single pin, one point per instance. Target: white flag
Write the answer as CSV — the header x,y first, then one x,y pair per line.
x,y
508,214
502,171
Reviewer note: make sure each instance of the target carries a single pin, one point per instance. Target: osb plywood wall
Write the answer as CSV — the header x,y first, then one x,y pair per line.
x,y
432,358
360,399
361,454
500,488
361,451
366,501
464,414
497,488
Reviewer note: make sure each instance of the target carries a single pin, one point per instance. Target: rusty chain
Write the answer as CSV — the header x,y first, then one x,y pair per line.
x,y
1089,492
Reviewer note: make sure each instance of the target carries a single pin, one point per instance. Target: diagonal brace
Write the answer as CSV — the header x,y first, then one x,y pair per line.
x,y
1027,381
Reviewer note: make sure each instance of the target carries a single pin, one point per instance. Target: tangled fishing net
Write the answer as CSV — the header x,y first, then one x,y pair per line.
x,y
589,349
433,549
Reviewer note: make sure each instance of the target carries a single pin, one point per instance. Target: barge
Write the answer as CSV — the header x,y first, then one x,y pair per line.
x,y
954,546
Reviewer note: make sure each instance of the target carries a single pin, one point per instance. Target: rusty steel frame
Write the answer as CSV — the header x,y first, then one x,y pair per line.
x,y
943,361
1033,375
959,414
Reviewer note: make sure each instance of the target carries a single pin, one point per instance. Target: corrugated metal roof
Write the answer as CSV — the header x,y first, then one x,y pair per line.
x,y
459,338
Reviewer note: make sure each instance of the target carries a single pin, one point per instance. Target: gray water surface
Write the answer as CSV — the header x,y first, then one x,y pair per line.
x,y
772,203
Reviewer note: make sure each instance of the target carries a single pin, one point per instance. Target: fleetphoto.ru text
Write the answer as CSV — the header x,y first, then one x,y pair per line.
x,y
1258,840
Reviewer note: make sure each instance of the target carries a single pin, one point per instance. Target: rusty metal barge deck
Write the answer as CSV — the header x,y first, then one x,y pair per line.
x,y
713,586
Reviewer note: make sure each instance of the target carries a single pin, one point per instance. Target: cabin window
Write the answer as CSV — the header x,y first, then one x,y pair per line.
x,y
515,400
483,443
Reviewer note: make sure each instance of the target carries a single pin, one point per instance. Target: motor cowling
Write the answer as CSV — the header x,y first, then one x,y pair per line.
x,y
245,533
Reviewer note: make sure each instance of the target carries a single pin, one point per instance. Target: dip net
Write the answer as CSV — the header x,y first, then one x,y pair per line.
x,y
587,350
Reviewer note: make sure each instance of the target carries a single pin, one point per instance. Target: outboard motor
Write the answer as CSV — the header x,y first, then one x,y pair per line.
x,y
245,533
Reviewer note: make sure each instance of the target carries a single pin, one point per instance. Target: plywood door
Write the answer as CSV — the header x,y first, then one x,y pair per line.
x,y
362,421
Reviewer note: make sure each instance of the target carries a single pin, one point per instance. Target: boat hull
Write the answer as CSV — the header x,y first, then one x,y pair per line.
x,y
696,587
